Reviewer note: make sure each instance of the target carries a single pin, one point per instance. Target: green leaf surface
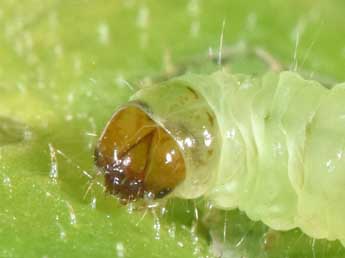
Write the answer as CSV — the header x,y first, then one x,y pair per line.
x,y
64,68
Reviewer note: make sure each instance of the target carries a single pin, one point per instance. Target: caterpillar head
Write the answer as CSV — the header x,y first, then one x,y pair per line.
x,y
138,156
165,140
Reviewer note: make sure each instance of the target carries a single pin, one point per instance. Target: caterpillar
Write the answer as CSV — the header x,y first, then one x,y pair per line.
x,y
272,146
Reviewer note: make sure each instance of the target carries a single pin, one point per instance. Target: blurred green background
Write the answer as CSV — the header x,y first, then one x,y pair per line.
x,y
64,68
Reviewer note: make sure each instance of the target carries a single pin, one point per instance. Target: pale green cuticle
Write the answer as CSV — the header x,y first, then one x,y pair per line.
x,y
283,142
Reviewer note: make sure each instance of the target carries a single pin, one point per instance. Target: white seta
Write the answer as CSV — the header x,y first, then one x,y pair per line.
x,y
277,146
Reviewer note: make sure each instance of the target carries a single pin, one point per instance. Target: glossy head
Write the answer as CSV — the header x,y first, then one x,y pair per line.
x,y
138,156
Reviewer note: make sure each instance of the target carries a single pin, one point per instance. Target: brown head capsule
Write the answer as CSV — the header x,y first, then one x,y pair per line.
x,y
138,156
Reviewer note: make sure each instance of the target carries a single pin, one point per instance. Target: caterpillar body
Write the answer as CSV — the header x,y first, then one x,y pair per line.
x,y
272,146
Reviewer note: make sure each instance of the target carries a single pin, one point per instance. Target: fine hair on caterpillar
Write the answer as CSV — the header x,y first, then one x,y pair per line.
x,y
272,146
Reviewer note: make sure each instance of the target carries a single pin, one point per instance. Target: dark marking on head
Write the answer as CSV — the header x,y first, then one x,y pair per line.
x,y
210,118
193,92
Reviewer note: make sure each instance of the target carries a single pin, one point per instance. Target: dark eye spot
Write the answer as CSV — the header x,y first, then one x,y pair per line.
x,y
163,192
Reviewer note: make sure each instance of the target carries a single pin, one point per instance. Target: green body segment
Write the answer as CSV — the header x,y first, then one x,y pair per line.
x,y
283,150
278,146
